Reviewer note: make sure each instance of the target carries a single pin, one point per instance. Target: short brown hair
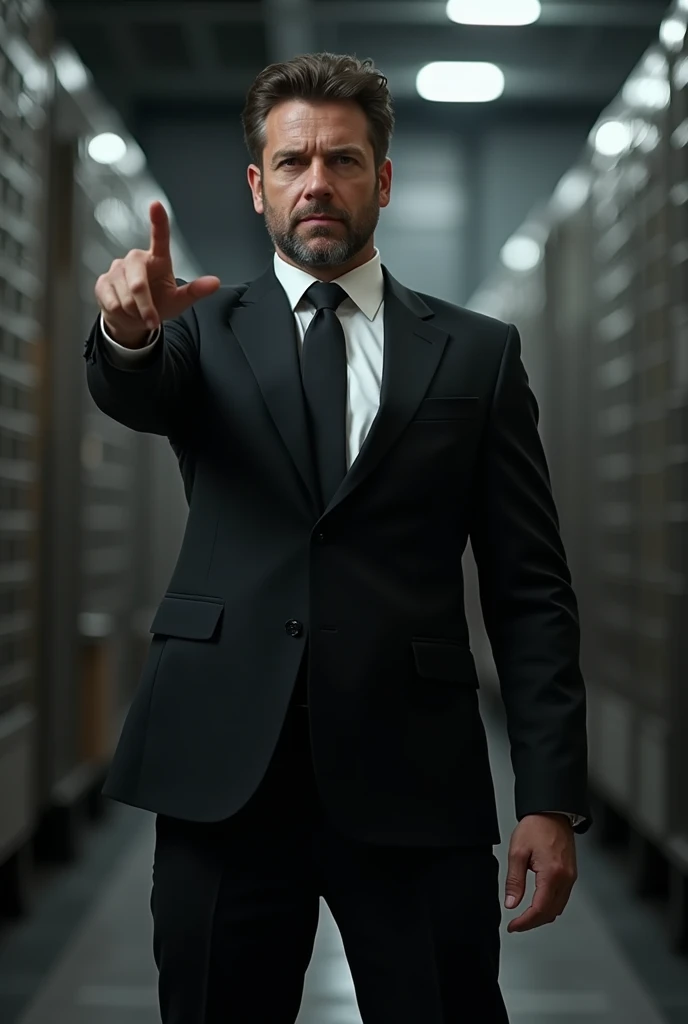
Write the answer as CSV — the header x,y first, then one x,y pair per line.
x,y
320,76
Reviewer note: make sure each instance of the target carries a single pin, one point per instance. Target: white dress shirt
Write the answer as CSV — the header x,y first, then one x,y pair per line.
x,y
362,318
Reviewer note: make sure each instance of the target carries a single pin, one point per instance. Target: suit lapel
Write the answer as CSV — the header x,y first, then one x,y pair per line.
x,y
412,352
264,326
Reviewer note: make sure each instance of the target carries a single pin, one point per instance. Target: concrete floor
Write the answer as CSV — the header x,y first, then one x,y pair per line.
x,y
572,972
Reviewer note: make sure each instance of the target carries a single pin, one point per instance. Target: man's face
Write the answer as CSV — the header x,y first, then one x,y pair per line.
x,y
319,188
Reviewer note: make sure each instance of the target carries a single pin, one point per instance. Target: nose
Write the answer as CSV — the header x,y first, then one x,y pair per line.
x,y
318,185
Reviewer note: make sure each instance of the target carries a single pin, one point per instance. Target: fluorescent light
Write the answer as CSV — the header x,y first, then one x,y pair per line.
x,y
107,148
647,93
460,82
494,12
648,137
612,138
34,71
113,215
573,191
133,161
672,33
655,63
521,253
71,73
681,72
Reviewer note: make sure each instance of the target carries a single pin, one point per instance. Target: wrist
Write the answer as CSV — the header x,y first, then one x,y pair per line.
x,y
561,815
557,815
134,339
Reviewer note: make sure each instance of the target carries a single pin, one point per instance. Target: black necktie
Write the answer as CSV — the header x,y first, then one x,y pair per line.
x,y
323,368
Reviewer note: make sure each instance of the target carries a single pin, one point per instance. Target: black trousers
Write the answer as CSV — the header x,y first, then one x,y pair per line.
x,y
235,910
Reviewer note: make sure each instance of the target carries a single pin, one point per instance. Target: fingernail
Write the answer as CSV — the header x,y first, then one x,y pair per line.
x,y
510,902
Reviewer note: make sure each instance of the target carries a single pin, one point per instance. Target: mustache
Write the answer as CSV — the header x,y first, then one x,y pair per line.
x,y
320,211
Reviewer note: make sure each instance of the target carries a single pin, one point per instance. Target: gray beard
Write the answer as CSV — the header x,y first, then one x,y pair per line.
x,y
332,253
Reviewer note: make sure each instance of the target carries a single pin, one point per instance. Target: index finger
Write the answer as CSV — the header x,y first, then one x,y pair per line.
x,y
160,231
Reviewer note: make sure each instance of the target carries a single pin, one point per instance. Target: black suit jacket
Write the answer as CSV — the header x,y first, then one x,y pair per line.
x,y
373,586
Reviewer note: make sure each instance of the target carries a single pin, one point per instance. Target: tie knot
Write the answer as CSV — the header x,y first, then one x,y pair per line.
x,y
324,295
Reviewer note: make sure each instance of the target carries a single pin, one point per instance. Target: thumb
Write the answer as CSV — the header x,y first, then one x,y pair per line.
x,y
515,885
201,288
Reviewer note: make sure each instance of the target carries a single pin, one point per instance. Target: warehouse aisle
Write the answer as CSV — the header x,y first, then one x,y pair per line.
x,y
569,973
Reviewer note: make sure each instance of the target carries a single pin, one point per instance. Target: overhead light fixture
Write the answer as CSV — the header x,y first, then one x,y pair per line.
x,y
115,217
107,148
680,74
31,68
460,82
647,93
521,254
494,12
572,192
672,33
71,73
133,161
655,64
612,138
647,137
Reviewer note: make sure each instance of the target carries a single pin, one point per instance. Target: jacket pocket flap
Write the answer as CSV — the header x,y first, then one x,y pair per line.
x,y
459,408
441,659
189,618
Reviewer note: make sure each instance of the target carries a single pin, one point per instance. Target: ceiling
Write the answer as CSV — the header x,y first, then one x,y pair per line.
x,y
151,56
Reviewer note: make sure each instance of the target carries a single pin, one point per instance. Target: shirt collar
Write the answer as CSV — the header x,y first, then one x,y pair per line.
x,y
364,285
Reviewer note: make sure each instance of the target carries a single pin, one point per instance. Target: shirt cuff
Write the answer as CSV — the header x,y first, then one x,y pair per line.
x,y
575,819
129,355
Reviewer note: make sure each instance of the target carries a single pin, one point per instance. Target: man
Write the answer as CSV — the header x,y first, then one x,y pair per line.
x,y
307,724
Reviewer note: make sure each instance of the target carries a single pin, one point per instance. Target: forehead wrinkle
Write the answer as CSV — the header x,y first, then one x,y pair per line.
x,y
299,129
291,117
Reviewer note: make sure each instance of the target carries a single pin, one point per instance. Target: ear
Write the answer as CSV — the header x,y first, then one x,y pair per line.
x,y
385,183
255,181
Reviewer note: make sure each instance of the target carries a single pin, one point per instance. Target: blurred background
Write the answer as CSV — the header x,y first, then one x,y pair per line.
x,y
541,176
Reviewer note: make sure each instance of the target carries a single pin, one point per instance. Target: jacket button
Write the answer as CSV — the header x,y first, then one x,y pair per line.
x,y
320,537
294,627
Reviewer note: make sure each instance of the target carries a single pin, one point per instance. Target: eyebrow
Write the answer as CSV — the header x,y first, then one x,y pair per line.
x,y
289,154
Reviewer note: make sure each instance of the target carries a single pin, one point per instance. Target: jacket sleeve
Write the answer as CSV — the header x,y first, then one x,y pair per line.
x,y
155,394
528,604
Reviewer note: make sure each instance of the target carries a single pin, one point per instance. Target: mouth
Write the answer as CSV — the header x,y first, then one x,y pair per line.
x,y
320,220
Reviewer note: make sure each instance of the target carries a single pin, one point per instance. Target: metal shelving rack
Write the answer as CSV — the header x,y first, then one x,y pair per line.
x,y
23,78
